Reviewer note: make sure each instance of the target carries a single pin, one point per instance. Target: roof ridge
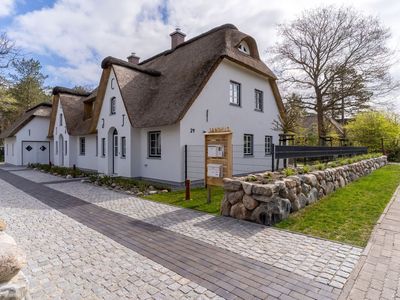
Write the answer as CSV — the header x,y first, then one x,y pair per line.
x,y
109,60
45,103
64,90
193,39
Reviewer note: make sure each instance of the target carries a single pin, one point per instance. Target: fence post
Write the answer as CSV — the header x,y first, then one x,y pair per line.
x,y
186,168
273,157
187,181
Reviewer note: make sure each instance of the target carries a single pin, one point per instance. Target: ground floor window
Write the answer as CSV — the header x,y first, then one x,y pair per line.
x,y
123,147
56,147
12,149
66,147
248,144
103,147
6,149
268,145
97,145
82,146
154,144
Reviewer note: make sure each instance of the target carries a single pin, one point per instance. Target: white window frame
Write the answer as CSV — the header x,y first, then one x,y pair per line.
x,y
235,91
154,144
259,98
113,106
248,144
82,146
268,144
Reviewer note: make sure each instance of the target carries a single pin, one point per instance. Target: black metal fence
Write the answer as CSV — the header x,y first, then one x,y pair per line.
x,y
285,152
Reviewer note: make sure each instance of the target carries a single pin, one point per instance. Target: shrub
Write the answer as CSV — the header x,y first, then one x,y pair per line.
x,y
289,171
394,154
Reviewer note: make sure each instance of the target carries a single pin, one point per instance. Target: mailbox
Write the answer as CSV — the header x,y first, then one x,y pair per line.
x,y
214,170
215,150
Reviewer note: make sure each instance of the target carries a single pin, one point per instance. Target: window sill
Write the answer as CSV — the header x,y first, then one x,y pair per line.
x,y
259,110
248,155
233,104
154,157
122,157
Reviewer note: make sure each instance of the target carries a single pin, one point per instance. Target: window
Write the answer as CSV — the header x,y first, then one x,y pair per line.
x,y
154,146
243,47
97,145
259,96
115,136
82,146
103,147
56,147
248,144
6,149
61,119
65,148
112,106
123,147
268,145
234,93
12,149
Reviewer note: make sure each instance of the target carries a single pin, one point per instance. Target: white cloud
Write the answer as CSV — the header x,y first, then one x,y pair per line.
x,y
6,7
81,33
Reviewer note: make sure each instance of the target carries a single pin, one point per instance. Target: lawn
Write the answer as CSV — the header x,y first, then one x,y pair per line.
x,y
349,214
198,199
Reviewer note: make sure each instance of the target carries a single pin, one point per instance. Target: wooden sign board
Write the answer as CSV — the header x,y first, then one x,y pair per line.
x,y
218,156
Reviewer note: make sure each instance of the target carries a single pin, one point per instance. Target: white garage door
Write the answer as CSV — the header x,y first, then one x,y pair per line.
x,y
35,152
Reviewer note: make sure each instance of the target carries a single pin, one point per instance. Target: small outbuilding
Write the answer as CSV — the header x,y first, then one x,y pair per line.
x,y
26,140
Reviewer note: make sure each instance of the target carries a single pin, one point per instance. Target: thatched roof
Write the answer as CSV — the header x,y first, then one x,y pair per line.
x,y
40,110
72,103
160,90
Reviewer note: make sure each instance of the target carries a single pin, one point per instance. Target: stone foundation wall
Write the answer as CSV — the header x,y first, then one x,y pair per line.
x,y
270,203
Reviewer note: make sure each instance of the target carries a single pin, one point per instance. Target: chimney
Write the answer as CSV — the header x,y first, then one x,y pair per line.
x,y
177,37
133,59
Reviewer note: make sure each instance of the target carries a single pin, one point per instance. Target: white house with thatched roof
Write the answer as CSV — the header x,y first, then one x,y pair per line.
x,y
141,116
26,140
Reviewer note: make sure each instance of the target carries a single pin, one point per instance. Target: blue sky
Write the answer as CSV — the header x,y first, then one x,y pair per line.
x,y
71,37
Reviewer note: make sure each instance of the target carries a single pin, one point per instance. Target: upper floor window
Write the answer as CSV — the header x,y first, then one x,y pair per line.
x,y
123,147
259,96
112,106
268,145
154,144
243,47
61,119
234,93
248,146
82,146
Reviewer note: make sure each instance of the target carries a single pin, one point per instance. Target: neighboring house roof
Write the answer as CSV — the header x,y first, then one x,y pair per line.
x,y
40,110
310,120
160,90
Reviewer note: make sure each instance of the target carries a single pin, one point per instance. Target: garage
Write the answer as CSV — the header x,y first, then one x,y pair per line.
x,y
35,152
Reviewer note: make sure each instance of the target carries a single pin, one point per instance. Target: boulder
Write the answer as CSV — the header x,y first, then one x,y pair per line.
x,y
247,187
232,185
68,176
342,182
15,289
313,195
239,211
305,188
12,259
249,202
264,189
5,238
2,225
271,212
310,179
290,183
329,188
303,200
291,195
225,207
261,198
235,197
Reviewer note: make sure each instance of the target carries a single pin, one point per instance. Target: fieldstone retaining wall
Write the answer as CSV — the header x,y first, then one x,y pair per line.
x,y
13,283
272,202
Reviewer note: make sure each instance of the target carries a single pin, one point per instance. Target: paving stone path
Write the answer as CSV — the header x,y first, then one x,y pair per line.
x,y
88,242
377,276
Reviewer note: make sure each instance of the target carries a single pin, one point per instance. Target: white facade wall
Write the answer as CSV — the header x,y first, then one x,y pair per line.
x,y
241,120
36,131
120,122
89,159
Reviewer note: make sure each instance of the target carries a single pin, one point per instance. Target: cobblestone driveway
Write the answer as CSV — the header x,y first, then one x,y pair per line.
x,y
67,258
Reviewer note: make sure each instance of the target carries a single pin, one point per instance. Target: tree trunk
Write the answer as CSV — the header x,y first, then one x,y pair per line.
x,y
320,116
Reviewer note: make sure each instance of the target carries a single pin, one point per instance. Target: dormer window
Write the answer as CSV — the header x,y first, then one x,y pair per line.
x,y
61,120
243,47
112,106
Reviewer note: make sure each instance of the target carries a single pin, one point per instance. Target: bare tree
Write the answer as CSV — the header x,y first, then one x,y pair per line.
x,y
336,57
289,122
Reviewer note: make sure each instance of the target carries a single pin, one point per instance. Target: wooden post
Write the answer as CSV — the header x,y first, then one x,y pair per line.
x,y
187,189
